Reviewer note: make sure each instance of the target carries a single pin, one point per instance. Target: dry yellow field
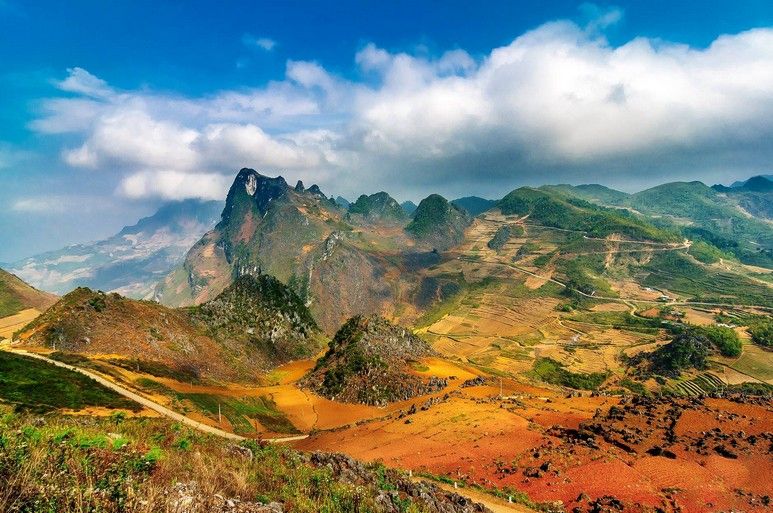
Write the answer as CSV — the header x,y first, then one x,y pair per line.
x,y
9,325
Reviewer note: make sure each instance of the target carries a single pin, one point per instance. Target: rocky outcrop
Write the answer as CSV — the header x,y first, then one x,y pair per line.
x,y
431,497
369,361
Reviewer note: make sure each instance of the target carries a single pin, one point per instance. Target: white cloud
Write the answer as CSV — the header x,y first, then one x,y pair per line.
x,y
175,185
557,102
262,43
82,82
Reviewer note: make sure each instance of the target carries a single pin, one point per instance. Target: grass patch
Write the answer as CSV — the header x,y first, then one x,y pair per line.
x,y
551,371
618,320
34,385
679,273
158,369
240,412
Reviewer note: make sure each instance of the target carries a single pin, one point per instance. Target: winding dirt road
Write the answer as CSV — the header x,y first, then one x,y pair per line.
x,y
494,504
162,410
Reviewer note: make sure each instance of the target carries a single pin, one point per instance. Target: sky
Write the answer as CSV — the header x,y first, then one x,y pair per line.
x,y
110,109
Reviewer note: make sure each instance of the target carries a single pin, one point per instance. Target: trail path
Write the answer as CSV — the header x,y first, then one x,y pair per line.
x,y
494,504
625,300
166,412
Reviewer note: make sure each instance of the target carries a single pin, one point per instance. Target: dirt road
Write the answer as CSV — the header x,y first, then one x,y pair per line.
x,y
495,504
492,503
166,412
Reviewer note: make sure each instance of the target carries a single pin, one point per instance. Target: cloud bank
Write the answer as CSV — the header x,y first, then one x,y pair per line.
x,y
559,103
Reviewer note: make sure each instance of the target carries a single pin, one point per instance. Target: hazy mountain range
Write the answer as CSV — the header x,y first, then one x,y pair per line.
x,y
131,261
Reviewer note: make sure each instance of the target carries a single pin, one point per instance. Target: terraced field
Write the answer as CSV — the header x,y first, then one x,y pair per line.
x,y
11,324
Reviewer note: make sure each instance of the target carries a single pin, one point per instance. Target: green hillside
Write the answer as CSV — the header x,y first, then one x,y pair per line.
x,y
568,213
15,295
438,222
378,206
705,214
593,193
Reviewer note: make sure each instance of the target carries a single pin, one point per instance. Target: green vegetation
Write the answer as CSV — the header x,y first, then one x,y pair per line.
x,y
707,253
567,213
688,350
593,193
543,259
188,374
438,222
762,332
691,347
527,248
252,308
100,466
583,273
31,384
241,412
371,361
679,272
474,205
9,301
551,371
724,339
714,219
634,386
618,320
353,360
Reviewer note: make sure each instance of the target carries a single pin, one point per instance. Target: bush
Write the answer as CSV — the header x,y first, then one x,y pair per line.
x,y
553,372
762,332
724,339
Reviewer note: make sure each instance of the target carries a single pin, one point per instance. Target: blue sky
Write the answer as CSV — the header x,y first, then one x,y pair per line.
x,y
108,109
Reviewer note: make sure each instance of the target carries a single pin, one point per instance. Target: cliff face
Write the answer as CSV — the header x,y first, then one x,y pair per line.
x,y
340,264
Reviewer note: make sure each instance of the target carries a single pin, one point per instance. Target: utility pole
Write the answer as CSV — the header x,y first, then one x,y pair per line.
x,y
500,388
219,416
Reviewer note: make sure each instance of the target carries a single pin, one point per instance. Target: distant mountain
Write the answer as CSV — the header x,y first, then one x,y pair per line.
x,y
758,184
378,207
438,223
473,204
409,207
590,192
741,183
15,295
130,262
343,202
369,362
254,325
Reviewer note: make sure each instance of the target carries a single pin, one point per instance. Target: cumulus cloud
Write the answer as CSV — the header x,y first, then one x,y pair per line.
x,y
175,185
559,103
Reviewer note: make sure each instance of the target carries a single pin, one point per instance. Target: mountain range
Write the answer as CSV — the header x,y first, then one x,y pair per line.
x,y
130,262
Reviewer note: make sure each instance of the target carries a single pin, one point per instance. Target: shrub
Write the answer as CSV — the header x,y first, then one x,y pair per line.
x,y
762,332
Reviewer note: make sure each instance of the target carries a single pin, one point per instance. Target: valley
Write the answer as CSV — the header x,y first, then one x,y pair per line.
x,y
546,354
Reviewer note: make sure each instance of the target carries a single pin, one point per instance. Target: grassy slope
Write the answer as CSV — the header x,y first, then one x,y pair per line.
x,y
714,216
31,384
15,295
112,465
559,211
